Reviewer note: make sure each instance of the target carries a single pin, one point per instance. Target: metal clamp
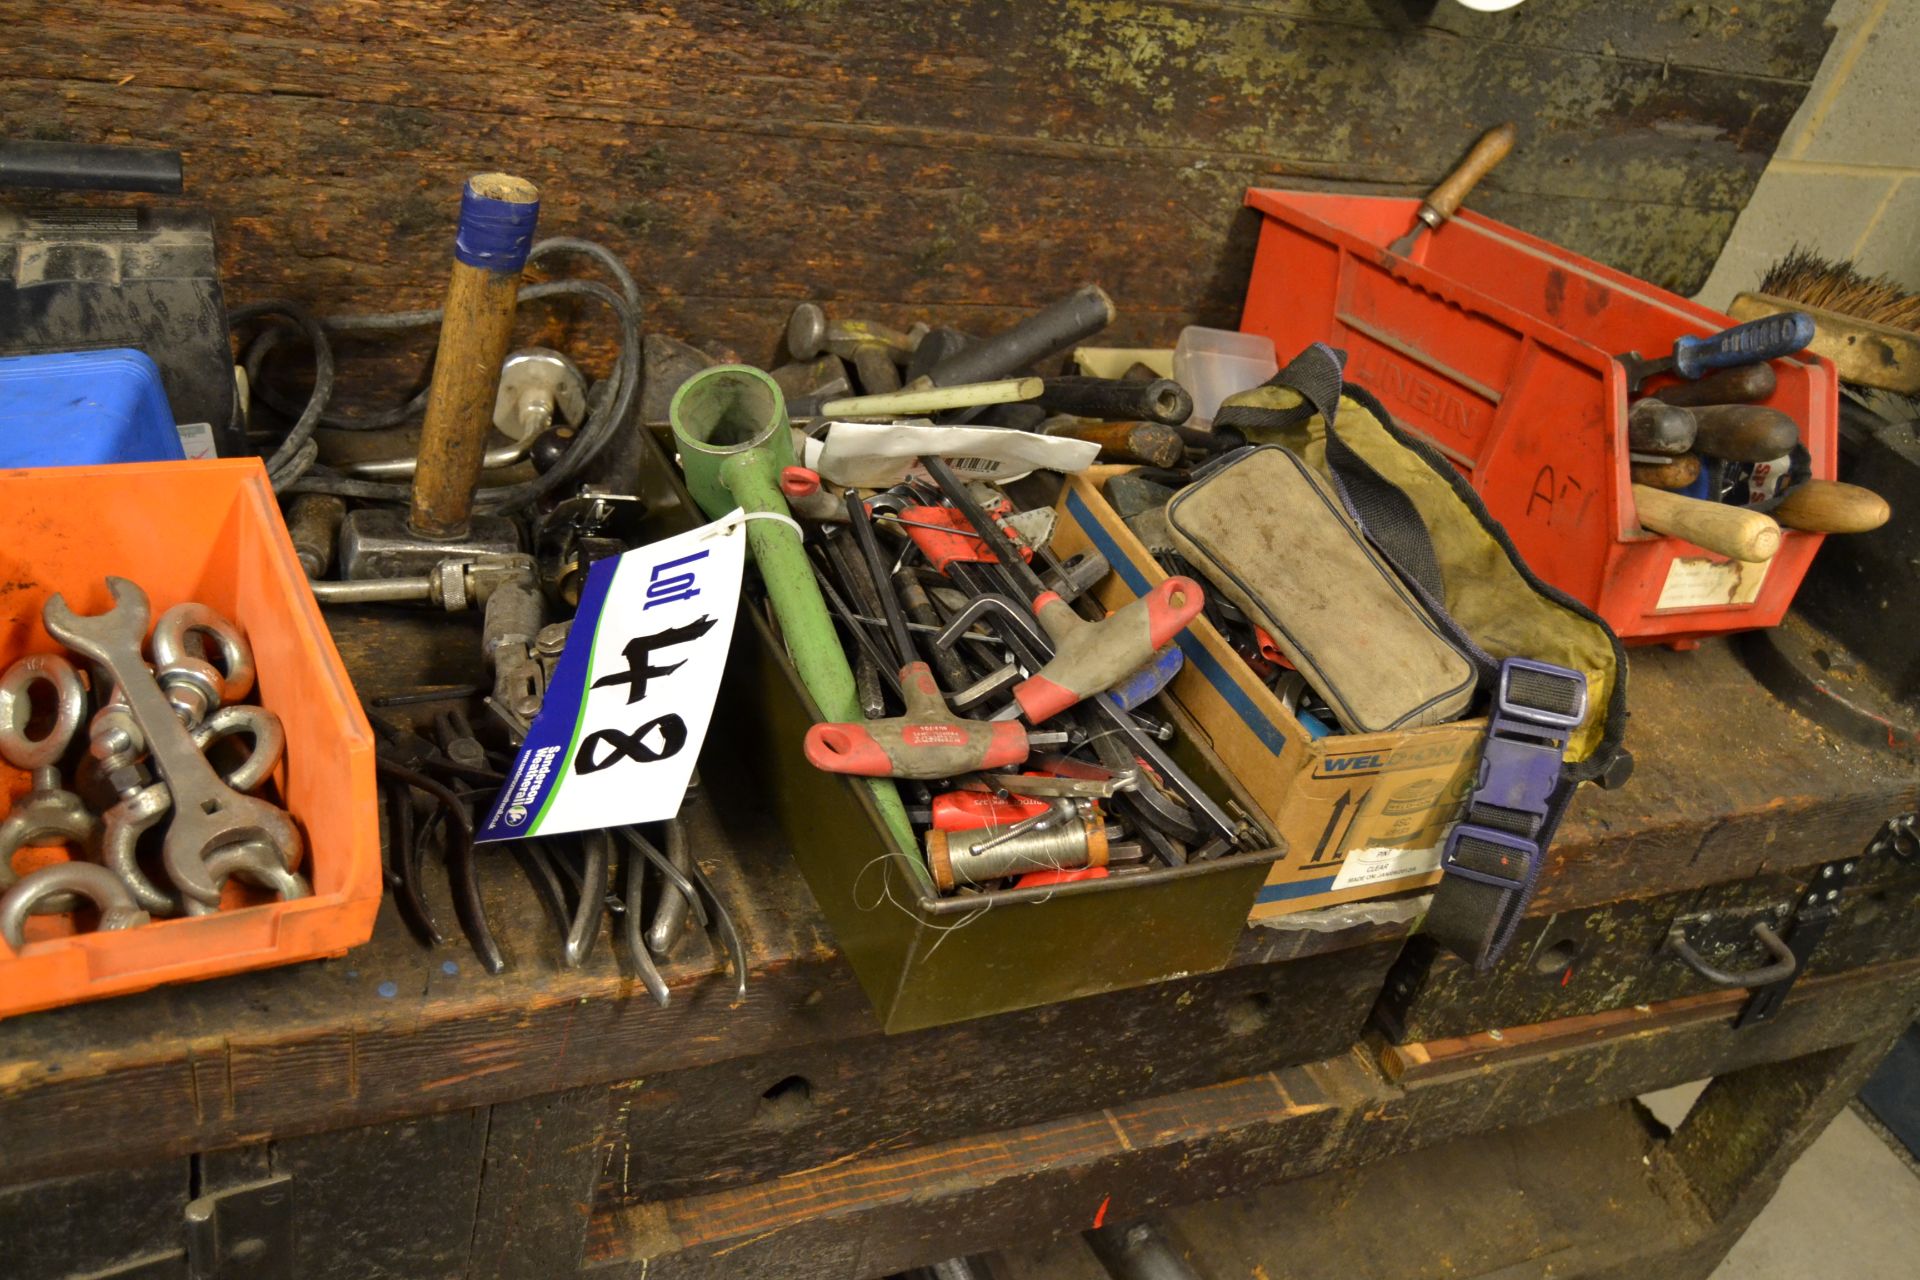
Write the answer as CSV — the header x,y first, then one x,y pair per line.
x,y
1784,965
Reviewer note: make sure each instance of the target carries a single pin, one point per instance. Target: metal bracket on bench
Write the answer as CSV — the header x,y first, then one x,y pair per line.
x,y
1819,906
243,1232
1783,968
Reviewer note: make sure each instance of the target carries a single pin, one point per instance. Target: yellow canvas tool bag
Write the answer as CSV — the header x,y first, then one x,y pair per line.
x,y
1424,520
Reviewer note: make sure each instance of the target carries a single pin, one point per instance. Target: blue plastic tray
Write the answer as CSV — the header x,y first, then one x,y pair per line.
x,y
84,408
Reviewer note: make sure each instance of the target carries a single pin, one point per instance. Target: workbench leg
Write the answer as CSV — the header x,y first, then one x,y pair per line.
x,y
1750,1126
543,1159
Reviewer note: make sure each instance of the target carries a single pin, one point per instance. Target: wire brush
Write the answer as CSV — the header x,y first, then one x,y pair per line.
x,y
1806,277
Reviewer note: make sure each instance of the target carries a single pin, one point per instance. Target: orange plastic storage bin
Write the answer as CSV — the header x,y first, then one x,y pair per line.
x,y
1498,348
211,532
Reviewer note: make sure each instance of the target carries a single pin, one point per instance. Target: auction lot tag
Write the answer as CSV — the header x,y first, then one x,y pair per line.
x,y
631,697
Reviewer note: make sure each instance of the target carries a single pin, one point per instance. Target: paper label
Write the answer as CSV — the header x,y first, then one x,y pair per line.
x,y
876,455
1375,863
1766,478
1402,814
631,697
1695,582
196,438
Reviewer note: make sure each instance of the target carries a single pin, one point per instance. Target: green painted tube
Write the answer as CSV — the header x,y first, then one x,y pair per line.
x,y
730,423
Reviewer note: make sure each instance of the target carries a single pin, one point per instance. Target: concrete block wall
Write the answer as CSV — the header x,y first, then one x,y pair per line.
x,y
1846,178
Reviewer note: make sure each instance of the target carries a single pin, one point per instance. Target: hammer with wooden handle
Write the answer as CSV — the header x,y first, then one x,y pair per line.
x,y
498,213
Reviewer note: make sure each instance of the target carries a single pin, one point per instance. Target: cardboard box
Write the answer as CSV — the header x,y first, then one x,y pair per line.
x,y
1362,814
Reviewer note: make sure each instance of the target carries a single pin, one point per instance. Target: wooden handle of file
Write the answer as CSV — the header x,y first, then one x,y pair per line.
x,y
1712,526
1492,148
1828,506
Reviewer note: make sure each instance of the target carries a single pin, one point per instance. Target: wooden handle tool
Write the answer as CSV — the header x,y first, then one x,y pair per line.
x,y
1149,444
1668,473
1828,506
1746,384
1733,532
1743,432
1654,426
1693,357
1445,200
498,213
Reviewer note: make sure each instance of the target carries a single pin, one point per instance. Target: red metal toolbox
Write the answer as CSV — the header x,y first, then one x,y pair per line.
x,y
1498,348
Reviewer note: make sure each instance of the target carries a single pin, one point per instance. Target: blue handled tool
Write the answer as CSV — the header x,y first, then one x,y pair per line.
x,y
1754,342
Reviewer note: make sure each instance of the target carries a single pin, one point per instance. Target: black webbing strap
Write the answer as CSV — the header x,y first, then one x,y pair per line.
x,y
1494,856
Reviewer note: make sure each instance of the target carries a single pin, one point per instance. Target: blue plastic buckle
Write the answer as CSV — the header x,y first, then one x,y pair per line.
x,y
1518,775
1518,853
1510,716
1526,745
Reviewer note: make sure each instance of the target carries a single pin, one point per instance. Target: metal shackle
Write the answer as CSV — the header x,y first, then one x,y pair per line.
x,y
261,727
138,812
256,863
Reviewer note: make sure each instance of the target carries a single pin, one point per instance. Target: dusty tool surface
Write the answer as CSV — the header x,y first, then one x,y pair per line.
x,y
786,1135
947,142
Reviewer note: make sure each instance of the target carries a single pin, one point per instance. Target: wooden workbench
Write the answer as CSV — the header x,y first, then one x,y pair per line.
x,y
434,1121
959,164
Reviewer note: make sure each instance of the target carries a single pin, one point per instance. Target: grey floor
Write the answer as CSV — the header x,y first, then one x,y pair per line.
x,y
1850,1208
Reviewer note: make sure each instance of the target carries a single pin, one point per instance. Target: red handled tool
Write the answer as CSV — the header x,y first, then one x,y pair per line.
x,y
943,536
1088,657
1091,657
971,810
929,740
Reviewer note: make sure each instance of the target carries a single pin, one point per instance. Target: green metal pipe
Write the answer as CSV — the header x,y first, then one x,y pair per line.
x,y
730,424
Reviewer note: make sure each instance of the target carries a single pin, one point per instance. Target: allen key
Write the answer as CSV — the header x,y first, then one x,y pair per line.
x,y
1024,636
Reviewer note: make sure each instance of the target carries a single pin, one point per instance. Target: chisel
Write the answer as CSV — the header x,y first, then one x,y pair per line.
x,y
1768,338
1744,384
1734,532
1743,432
1445,200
